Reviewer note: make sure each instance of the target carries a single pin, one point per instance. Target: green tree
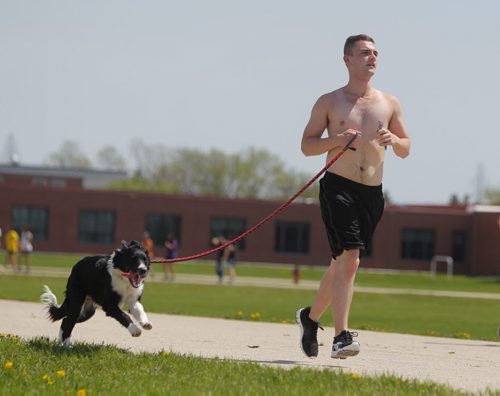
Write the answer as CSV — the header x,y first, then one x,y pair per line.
x,y
69,155
252,173
109,158
493,196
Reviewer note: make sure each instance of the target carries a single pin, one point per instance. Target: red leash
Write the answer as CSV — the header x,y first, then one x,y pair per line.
x,y
263,221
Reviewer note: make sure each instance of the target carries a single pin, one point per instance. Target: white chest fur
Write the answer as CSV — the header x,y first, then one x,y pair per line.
x,y
121,285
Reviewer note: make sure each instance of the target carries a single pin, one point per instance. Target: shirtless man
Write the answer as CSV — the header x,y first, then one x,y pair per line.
x,y
351,197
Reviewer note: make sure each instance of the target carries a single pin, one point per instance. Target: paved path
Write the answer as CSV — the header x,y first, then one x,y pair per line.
x,y
462,364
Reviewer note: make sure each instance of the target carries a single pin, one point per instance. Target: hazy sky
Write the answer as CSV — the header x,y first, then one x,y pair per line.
x,y
233,74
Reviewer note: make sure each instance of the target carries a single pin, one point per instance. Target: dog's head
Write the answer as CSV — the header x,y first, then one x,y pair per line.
x,y
133,261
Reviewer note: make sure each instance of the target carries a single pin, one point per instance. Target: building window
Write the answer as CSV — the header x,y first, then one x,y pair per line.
x,y
159,225
96,226
229,228
36,219
39,181
458,239
292,237
58,183
417,244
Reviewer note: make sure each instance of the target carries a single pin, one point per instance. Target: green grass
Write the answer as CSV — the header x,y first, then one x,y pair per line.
x,y
40,367
425,315
363,278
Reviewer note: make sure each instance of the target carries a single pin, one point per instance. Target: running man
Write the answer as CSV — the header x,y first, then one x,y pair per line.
x,y
351,197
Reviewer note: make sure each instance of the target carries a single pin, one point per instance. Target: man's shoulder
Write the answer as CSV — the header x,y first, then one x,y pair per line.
x,y
388,96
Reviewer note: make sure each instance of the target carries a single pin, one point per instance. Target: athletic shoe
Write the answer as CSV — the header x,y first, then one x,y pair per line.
x,y
344,346
308,332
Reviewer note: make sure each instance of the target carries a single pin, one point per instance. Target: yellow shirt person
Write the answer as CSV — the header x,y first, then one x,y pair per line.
x,y
12,241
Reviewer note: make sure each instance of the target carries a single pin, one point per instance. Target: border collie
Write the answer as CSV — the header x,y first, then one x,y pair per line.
x,y
109,281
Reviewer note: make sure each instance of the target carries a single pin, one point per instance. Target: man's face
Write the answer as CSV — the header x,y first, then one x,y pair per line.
x,y
363,58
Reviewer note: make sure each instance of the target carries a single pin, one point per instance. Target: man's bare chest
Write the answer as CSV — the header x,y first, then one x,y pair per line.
x,y
364,117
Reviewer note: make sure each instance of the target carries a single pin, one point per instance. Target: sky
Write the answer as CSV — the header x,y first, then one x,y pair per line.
x,y
229,74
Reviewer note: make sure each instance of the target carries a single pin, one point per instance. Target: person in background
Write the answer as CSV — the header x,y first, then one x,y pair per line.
x,y
171,249
230,260
219,257
26,248
11,248
149,245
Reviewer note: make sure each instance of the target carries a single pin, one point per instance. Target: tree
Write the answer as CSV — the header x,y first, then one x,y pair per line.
x,y
493,196
252,173
109,158
69,156
455,200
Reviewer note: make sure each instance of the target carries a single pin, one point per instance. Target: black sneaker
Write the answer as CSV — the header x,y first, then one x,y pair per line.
x,y
308,332
344,346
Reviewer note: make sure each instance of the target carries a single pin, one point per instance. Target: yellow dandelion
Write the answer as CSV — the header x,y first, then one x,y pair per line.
x,y
257,314
356,376
46,378
60,373
164,353
81,392
50,382
240,313
8,365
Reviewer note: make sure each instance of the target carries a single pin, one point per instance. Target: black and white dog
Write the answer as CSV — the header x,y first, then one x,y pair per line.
x,y
109,281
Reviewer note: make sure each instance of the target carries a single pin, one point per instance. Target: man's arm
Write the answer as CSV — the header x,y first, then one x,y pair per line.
x,y
396,134
312,141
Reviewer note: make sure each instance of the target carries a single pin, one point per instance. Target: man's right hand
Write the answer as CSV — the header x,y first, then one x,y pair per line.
x,y
348,135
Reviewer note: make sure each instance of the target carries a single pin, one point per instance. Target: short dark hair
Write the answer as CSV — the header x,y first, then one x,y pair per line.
x,y
351,40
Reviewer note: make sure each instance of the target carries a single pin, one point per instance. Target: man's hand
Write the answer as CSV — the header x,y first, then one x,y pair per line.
x,y
386,138
348,135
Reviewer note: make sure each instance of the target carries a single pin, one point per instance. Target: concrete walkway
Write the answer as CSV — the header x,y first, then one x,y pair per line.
x,y
461,364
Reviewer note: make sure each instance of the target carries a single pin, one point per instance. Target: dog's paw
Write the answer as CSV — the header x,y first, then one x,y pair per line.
x,y
147,326
67,343
134,330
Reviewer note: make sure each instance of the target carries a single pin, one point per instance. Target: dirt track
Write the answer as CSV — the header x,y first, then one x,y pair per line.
x,y
462,364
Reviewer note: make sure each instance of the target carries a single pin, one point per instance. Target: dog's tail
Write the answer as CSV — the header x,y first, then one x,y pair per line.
x,y
50,300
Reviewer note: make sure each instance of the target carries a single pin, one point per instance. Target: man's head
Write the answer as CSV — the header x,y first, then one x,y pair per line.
x,y
352,40
360,56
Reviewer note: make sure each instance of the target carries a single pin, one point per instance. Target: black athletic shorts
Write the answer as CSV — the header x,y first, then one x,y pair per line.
x,y
350,212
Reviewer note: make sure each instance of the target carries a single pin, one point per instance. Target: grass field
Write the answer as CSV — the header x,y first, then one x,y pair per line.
x,y
363,278
40,367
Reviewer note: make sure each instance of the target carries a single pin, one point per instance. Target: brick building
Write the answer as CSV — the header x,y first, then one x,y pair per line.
x,y
69,211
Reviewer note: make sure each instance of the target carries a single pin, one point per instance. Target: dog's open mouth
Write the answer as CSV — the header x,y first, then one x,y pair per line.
x,y
134,279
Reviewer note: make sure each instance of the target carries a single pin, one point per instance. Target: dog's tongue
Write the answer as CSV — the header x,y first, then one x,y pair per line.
x,y
135,279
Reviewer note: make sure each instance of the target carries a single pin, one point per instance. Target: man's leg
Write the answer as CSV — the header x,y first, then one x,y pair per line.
x,y
308,318
342,287
325,293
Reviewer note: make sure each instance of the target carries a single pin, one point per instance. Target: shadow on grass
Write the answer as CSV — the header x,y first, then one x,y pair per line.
x,y
44,344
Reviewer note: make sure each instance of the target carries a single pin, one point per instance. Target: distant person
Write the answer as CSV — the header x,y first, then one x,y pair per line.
x,y
11,248
230,260
219,257
26,248
171,249
148,244
351,196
